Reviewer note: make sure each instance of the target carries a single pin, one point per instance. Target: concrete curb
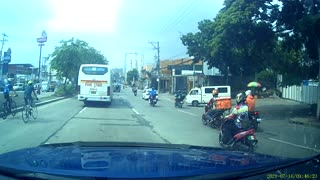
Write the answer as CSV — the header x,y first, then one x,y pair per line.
x,y
19,109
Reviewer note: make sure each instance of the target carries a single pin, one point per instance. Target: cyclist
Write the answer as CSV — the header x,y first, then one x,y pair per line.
x,y
8,87
28,93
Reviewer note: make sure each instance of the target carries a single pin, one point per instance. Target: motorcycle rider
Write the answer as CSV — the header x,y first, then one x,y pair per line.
x,y
212,104
152,94
250,102
134,88
238,114
179,96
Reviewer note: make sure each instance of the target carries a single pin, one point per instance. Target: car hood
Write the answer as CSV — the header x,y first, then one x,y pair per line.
x,y
135,160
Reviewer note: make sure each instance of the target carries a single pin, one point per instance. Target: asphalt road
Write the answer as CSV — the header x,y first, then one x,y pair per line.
x,y
130,118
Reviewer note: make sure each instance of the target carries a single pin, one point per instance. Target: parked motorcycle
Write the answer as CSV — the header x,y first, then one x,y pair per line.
x,y
215,121
153,100
179,100
242,140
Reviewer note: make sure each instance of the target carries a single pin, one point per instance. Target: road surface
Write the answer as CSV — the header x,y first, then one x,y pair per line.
x,y
130,118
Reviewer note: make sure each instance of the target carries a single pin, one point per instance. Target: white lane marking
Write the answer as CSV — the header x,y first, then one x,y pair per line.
x,y
134,111
296,145
83,110
187,113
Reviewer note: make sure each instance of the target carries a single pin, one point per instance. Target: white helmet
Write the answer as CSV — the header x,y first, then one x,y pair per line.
x,y
248,92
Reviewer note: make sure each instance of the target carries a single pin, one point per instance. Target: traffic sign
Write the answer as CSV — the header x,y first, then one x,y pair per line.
x,y
42,39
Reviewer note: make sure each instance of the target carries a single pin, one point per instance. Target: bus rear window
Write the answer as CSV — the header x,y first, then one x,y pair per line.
x,y
94,70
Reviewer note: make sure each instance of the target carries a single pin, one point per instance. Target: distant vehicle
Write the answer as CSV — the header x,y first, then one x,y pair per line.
x,y
117,87
18,87
45,86
52,86
203,95
95,83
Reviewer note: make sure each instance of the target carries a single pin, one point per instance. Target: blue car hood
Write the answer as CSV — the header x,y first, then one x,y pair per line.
x,y
134,160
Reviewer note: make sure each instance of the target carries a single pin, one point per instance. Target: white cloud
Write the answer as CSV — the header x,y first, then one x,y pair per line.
x,y
92,16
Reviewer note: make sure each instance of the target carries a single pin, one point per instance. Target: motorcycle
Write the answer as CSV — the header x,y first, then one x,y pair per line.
x,y
254,121
179,100
215,120
242,140
135,92
153,100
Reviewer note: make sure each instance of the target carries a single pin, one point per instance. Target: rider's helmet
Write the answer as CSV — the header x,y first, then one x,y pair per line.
x,y
215,92
248,92
240,98
30,82
152,88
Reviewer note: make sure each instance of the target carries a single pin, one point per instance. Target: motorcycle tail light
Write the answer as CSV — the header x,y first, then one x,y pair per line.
x,y
256,113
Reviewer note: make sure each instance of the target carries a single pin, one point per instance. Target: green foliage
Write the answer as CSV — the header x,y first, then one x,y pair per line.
x,y
240,38
252,36
267,79
67,58
298,26
133,74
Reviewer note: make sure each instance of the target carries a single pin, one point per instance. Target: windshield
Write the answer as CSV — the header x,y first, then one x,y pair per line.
x,y
248,71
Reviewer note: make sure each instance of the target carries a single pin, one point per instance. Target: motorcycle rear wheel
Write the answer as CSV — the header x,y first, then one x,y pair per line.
x,y
243,146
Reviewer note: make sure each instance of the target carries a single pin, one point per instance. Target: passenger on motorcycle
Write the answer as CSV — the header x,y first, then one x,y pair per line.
x,y
250,101
212,104
238,114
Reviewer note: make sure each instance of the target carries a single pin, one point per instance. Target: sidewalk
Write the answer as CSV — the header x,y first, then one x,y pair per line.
x,y
307,121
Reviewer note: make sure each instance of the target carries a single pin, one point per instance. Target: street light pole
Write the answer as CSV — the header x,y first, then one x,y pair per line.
x,y
1,63
41,42
39,72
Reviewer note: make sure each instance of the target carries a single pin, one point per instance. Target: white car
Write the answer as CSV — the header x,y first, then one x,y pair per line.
x,y
18,87
145,94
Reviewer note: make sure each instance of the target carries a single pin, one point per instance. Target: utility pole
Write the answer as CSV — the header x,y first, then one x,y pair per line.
x,y
157,47
41,42
3,40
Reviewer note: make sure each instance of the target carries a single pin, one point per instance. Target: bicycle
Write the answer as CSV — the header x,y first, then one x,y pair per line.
x,y
29,111
5,108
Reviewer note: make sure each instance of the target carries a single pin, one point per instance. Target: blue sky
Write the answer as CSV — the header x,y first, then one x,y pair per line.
x,y
114,27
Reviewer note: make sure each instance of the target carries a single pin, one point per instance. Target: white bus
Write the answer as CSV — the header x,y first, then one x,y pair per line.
x,y
95,83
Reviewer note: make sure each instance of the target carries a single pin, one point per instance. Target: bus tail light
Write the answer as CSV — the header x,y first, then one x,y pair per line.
x,y
108,93
78,89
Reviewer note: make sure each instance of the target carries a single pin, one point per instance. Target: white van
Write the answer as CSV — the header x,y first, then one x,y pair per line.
x,y
203,95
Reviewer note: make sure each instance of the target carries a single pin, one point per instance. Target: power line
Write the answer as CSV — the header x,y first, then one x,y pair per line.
x,y
185,14
173,18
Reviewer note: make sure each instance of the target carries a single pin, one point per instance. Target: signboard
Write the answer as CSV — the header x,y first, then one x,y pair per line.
x,y
190,72
6,57
42,39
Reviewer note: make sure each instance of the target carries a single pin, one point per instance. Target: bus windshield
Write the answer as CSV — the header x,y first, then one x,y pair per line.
x,y
94,70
